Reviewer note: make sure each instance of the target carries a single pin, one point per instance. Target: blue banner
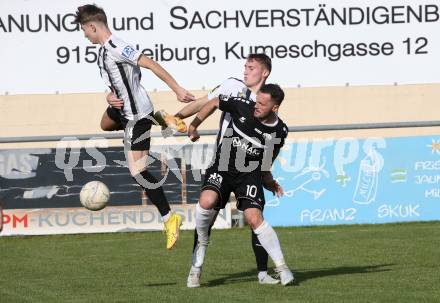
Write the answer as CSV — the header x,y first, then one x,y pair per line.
x,y
354,181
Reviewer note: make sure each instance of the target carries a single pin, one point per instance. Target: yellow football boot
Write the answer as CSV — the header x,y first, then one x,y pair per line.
x,y
172,229
166,120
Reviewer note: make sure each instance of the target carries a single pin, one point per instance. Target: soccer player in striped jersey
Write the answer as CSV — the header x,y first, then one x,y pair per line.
x,y
119,65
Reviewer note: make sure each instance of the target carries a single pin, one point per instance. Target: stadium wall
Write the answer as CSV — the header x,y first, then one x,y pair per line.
x,y
76,114
339,63
69,114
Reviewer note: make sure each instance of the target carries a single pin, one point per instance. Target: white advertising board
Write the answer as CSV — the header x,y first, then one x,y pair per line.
x,y
111,219
312,43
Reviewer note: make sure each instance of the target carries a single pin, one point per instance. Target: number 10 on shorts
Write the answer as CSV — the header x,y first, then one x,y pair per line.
x,y
251,191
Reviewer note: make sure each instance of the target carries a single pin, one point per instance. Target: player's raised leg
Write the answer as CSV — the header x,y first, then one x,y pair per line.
x,y
169,121
110,120
138,170
176,122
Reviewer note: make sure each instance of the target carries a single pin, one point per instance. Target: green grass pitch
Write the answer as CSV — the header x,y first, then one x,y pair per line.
x,y
358,263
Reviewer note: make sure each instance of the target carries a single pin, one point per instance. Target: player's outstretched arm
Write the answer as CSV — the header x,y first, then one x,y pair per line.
x,y
192,108
182,94
204,113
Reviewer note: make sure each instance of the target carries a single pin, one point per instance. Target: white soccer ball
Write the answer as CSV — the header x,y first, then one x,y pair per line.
x,y
94,195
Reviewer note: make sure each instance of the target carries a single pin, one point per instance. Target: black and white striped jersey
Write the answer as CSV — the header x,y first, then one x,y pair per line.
x,y
248,144
118,65
232,87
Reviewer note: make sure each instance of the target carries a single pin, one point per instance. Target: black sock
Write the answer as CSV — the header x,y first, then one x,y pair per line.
x,y
261,256
156,195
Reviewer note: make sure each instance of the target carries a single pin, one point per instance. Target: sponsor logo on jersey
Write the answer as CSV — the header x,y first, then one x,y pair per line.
x,y
223,97
236,142
216,179
214,89
267,136
250,150
128,52
242,119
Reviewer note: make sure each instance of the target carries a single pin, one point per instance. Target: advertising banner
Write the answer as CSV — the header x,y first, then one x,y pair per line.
x,y
47,221
325,182
353,181
203,42
40,188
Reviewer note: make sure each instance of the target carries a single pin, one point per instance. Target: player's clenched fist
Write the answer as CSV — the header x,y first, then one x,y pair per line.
x,y
193,134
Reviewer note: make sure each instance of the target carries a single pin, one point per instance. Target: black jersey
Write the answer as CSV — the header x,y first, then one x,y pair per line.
x,y
248,144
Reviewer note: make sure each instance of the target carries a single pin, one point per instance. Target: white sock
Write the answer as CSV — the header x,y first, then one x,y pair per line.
x,y
262,274
269,240
203,221
199,255
200,250
166,217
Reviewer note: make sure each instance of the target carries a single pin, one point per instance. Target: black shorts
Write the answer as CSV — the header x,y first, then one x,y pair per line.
x,y
247,187
134,129
116,115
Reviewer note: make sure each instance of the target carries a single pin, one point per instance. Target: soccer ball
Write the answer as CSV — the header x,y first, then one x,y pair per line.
x,y
94,195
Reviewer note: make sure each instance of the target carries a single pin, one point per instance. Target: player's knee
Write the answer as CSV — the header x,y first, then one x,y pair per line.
x,y
254,222
104,126
254,219
206,203
108,124
208,199
109,127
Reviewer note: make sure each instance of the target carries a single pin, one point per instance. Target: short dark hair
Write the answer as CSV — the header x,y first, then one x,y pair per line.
x,y
90,12
262,59
275,92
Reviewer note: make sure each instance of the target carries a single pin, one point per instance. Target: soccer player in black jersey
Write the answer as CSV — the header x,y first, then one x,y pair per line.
x,y
256,70
245,148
